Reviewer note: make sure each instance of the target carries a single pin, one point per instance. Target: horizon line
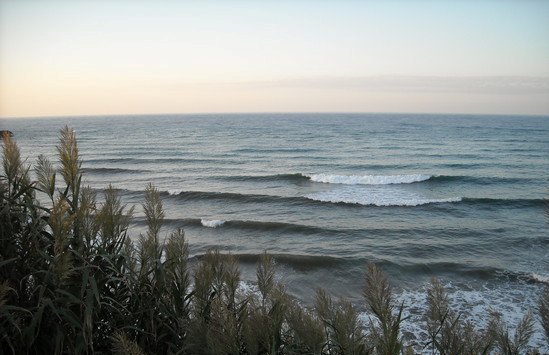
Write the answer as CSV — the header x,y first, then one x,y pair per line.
x,y
270,113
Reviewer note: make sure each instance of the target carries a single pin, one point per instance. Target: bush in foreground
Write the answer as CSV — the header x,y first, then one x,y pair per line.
x,y
71,281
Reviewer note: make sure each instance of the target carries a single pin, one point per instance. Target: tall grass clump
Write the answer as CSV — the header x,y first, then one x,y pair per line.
x,y
72,281
449,334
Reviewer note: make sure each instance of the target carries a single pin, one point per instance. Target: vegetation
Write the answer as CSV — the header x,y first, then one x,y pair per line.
x,y
71,281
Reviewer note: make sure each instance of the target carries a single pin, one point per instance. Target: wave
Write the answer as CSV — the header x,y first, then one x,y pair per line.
x,y
439,269
175,192
166,160
262,226
229,196
291,229
376,199
279,227
296,261
213,223
502,202
275,177
368,179
348,198
372,179
336,198
329,197
480,180
274,150
540,278
113,171
410,178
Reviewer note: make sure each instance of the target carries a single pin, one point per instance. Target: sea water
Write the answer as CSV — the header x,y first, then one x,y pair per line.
x,y
458,197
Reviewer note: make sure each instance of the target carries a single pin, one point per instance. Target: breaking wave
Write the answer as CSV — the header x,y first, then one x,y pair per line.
x,y
376,198
369,179
349,197
372,179
214,223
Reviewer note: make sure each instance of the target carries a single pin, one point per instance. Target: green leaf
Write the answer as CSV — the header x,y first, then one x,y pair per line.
x,y
93,285
70,296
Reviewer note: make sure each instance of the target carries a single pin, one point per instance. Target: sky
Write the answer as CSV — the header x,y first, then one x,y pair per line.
x,y
139,57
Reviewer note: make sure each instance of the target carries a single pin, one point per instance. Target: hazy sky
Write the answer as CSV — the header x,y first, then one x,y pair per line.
x,y
118,57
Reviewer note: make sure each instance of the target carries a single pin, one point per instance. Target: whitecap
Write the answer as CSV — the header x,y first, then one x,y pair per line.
x,y
376,198
174,192
368,179
214,223
541,278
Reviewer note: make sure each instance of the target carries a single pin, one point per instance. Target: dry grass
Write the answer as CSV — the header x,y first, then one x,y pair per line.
x,y
385,333
121,345
448,332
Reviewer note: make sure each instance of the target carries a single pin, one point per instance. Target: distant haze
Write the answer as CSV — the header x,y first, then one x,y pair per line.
x,y
133,57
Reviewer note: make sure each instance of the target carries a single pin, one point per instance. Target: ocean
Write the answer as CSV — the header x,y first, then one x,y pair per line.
x,y
459,197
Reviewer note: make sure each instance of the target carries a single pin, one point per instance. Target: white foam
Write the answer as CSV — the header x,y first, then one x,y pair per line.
x,y
174,192
368,179
541,278
512,303
214,223
376,197
247,288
